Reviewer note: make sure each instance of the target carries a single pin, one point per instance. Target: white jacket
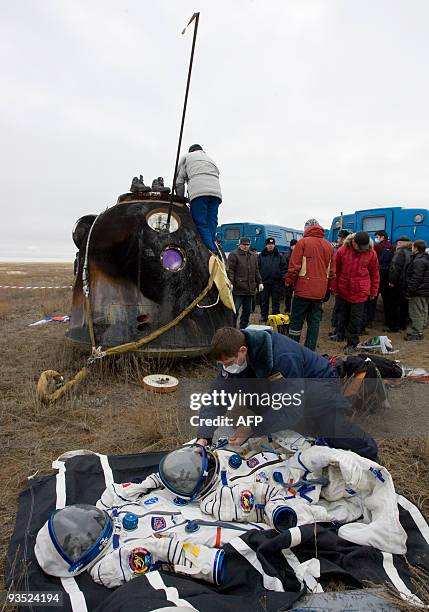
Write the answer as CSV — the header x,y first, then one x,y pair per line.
x,y
201,174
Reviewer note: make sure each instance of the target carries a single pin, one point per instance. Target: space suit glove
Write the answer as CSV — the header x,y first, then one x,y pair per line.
x,y
118,494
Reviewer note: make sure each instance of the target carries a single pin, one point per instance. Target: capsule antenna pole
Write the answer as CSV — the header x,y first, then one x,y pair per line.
x,y
195,17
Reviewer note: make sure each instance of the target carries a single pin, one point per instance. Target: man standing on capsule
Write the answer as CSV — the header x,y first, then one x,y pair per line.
x,y
201,174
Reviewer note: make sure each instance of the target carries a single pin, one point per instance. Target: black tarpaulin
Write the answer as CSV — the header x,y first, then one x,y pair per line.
x,y
261,566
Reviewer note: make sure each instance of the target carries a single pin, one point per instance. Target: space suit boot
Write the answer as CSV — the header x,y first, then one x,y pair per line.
x,y
158,185
138,186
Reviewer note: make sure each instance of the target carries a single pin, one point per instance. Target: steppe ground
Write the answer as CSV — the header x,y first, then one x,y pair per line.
x,y
111,413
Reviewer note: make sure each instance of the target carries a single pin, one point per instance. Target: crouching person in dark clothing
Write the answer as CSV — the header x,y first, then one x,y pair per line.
x,y
261,362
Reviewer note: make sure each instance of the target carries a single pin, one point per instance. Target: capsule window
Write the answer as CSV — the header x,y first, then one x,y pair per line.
x,y
157,220
172,258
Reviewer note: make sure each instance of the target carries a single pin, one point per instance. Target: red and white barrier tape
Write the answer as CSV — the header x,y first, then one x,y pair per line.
x,y
50,287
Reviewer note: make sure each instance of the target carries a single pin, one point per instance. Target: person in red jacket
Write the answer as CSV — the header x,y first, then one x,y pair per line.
x,y
311,269
357,279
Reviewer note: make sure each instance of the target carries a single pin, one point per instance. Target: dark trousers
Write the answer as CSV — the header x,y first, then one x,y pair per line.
x,y
288,298
309,310
349,436
369,314
324,414
245,303
271,290
334,315
350,317
396,309
204,211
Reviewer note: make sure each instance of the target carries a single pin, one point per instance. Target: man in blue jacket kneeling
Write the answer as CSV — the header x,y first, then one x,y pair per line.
x,y
303,391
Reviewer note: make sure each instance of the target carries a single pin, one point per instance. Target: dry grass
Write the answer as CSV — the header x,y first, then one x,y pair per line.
x,y
5,310
110,412
408,462
420,581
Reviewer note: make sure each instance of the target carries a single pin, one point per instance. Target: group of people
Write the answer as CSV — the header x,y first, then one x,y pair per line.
x,y
356,271
250,272
404,284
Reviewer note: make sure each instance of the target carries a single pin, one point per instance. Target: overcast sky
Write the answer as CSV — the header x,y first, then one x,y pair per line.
x,y
309,107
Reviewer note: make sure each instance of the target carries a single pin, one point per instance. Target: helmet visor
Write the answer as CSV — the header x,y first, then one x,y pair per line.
x,y
184,470
77,528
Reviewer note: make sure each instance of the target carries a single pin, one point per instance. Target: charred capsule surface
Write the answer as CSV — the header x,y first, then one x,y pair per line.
x,y
140,276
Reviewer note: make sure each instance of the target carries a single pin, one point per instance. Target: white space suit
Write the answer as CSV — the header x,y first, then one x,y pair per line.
x,y
151,526
169,532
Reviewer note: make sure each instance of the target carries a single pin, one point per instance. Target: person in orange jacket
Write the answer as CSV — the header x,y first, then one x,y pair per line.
x,y
310,273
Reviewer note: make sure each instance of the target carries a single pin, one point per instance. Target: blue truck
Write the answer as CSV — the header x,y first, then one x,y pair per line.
x,y
229,235
396,221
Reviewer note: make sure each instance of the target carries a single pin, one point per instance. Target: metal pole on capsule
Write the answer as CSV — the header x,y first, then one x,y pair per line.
x,y
195,17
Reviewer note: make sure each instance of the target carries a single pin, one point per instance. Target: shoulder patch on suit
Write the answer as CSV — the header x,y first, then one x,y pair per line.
x,y
247,501
157,523
140,560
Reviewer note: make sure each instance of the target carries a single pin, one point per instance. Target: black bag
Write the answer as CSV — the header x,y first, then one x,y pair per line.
x,y
363,383
386,367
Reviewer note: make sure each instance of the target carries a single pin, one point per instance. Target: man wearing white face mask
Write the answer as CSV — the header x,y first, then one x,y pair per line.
x,y
285,367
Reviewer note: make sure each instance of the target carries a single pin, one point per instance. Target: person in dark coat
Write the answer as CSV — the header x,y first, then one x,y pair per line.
x,y
272,269
417,288
384,250
256,298
243,272
277,363
397,305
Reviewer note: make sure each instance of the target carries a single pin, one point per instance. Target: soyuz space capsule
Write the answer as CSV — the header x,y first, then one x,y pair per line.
x,y
134,276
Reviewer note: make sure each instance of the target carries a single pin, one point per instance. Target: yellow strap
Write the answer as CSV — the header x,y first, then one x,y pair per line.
x,y
42,391
222,282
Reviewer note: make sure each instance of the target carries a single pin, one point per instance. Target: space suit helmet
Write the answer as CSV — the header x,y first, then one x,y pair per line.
x,y
72,539
189,471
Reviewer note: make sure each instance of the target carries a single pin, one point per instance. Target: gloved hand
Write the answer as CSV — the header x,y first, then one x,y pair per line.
x,y
261,287
116,493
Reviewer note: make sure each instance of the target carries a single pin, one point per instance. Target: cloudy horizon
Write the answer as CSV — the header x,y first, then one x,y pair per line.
x,y
308,107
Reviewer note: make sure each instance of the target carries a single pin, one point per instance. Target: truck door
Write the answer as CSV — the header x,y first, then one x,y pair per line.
x,y
375,220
